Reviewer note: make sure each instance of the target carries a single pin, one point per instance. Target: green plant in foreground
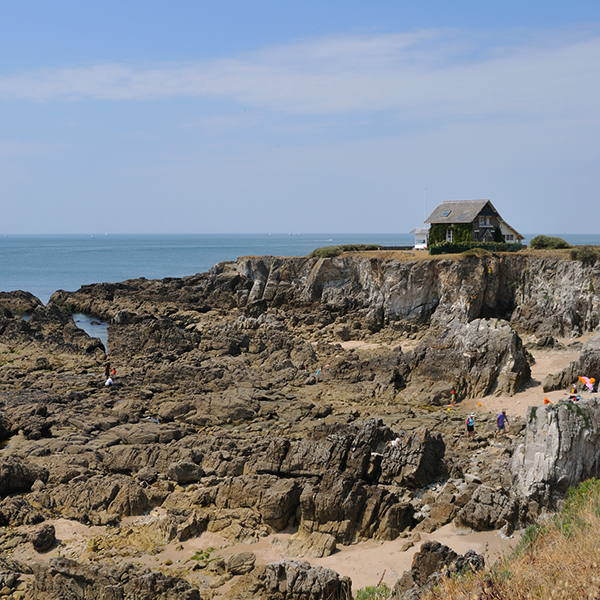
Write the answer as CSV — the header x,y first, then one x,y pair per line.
x,y
204,555
379,592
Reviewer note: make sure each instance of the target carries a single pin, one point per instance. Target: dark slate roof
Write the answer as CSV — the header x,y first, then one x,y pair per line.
x,y
458,211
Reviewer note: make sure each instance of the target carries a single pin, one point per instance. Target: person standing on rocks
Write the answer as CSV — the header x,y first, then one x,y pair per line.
x,y
470,423
107,370
501,423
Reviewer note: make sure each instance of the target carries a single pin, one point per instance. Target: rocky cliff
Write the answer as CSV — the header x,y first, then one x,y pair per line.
x,y
537,294
561,449
274,393
468,314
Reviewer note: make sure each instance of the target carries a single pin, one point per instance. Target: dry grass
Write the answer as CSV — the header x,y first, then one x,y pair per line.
x,y
557,559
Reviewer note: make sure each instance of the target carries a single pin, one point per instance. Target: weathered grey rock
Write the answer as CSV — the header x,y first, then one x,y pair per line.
x,y
489,508
414,459
16,511
561,449
297,580
473,359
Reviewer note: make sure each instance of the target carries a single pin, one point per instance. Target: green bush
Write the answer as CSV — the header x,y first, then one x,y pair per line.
x,y
540,242
452,248
332,251
380,592
588,255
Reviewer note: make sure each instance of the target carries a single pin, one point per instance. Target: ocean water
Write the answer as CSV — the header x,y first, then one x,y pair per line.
x,y
42,264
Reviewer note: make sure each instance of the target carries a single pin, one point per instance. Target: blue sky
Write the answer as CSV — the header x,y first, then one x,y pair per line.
x,y
264,116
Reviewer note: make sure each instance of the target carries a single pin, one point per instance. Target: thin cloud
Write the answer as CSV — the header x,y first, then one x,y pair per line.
x,y
438,73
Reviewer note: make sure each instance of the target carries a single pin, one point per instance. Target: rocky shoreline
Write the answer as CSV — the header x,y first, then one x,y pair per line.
x,y
296,395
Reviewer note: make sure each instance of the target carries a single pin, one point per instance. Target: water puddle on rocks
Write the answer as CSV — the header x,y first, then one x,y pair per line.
x,y
92,326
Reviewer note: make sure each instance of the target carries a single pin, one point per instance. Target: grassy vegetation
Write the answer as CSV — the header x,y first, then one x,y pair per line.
x,y
588,255
204,556
332,251
558,558
379,592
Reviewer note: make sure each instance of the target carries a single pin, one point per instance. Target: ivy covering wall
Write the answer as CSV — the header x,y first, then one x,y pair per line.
x,y
437,234
461,233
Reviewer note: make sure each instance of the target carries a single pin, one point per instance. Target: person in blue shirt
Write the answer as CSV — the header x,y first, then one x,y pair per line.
x,y
501,423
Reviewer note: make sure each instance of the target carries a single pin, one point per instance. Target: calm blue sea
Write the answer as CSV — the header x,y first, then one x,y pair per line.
x,y
42,264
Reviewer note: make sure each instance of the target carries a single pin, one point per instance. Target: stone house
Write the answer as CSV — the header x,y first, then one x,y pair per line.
x,y
461,221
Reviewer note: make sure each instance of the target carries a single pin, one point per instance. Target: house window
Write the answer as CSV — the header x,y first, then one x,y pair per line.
x,y
509,237
481,221
488,221
449,235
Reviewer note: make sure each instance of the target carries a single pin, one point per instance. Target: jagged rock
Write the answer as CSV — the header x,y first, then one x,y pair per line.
x,y
350,510
16,476
488,509
474,359
560,450
16,511
296,580
81,500
414,459
68,579
148,335
185,472
432,562
274,499
19,302
42,538
168,411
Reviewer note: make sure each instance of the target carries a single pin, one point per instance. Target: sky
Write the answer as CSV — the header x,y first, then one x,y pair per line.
x,y
265,116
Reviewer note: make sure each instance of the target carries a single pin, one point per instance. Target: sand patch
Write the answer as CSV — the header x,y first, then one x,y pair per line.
x,y
546,362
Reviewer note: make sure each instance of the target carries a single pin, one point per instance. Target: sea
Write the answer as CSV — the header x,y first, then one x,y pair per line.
x,y
42,264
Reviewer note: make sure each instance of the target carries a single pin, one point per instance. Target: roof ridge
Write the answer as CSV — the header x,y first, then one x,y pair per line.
x,y
455,201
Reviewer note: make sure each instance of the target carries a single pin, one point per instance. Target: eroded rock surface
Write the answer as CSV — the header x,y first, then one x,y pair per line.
x,y
560,449
276,393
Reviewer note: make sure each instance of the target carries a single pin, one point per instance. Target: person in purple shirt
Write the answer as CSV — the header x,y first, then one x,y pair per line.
x,y
501,423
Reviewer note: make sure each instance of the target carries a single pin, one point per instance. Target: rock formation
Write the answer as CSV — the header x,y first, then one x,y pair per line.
x,y
560,450
274,393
